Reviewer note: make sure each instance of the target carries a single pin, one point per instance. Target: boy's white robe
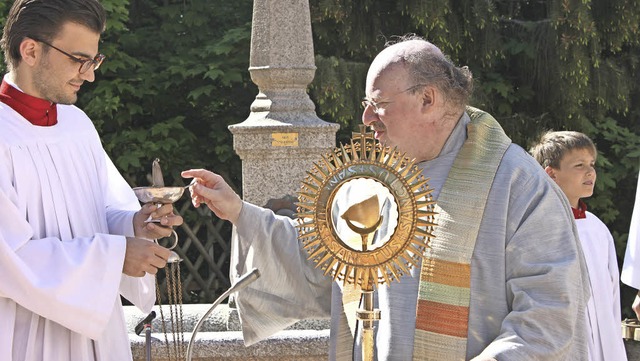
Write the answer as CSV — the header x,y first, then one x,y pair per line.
x,y
63,210
603,308
631,267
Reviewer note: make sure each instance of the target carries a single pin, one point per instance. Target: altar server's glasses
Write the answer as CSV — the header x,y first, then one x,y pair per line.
x,y
85,64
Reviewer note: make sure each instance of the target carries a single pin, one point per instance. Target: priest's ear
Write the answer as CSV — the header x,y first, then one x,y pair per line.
x,y
429,97
30,50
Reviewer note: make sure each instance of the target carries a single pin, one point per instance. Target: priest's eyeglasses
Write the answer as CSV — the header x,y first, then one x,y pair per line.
x,y
85,64
377,106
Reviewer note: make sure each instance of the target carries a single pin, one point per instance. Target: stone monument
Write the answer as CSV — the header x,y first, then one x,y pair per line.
x,y
282,136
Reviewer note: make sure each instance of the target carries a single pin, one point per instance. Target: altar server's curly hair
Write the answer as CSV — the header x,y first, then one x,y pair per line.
x,y
43,19
552,146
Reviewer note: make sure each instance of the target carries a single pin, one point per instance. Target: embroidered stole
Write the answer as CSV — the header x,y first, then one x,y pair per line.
x,y
445,277
442,315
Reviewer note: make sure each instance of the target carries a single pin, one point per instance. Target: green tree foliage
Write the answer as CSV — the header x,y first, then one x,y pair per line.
x,y
538,65
176,77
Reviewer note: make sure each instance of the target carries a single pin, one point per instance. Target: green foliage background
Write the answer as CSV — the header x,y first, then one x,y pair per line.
x,y
176,77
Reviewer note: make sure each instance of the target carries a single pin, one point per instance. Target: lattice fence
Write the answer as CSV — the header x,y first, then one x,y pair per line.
x,y
204,246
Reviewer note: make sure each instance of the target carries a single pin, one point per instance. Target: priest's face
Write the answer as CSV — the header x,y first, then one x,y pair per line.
x,y
576,175
393,109
56,77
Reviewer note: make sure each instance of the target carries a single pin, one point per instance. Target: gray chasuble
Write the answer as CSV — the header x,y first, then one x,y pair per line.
x,y
508,283
445,278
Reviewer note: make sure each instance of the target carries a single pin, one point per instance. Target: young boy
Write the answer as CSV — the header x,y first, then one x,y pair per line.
x,y
569,159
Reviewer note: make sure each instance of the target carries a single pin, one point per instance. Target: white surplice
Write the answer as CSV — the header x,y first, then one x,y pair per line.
x,y
603,308
631,268
64,212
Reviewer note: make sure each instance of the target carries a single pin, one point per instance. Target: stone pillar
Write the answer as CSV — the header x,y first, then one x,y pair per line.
x,y
282,136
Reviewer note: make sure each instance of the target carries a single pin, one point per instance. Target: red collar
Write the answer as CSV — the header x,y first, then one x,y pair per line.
x,y
581,212
37,111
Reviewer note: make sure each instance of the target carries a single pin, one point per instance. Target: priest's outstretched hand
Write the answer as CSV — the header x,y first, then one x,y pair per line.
x,y
211,189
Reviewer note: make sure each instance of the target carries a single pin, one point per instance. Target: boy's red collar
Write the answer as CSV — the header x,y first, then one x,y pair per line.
x,y
581,212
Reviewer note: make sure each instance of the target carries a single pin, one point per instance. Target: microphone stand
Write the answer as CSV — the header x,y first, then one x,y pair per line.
x,y
146,325
241,283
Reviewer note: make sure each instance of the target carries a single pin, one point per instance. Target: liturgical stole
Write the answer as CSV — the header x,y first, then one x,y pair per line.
x,y
442,313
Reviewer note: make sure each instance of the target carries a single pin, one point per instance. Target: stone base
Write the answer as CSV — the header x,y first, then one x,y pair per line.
x,y
291,345
220,339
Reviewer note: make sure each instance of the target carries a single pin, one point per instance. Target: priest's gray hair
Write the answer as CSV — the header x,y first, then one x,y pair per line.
x,y
427,65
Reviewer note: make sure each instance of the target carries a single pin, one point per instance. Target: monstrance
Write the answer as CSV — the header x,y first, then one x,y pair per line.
x,y
159,194
365,217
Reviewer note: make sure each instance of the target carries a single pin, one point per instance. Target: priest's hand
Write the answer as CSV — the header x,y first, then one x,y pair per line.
x,y
210,189
636,305
153,230
143,256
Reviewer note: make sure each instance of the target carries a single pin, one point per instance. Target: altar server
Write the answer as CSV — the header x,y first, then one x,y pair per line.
x,y
631,266
72,233
569,158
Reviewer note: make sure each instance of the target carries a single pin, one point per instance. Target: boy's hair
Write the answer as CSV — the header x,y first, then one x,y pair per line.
x,y
43,19
552,146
